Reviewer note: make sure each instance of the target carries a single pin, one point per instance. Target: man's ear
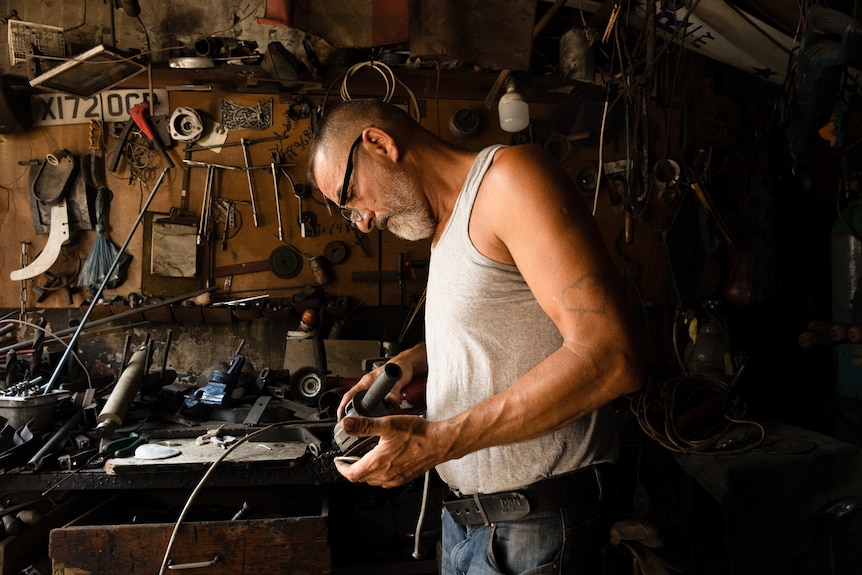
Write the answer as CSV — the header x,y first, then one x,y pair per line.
x,y
382,142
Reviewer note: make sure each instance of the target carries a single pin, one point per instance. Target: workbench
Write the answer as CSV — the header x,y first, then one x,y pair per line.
x,y
280,462
274,503
774,500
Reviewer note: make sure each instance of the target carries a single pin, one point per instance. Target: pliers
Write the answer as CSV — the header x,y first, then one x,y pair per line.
x,y
123,447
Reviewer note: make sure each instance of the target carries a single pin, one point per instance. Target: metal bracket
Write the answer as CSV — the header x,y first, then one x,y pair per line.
x,y
57,236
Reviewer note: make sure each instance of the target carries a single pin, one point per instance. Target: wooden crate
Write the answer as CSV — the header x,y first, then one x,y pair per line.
x,y
106,542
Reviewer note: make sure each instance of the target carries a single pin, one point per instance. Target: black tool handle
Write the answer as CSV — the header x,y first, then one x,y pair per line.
x,y
124,136
372,400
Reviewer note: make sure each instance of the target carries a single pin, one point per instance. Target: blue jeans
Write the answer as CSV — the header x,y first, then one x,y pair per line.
x,y
562,542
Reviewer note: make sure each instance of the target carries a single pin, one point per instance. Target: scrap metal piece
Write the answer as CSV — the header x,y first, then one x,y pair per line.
x,y
236,117
285,262
256,412
58,236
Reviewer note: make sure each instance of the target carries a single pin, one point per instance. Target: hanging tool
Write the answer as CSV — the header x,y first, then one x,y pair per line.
x,y
204,226
206,211
304,219
276,161
124,139
50,187
228,210
57,236
244,142
140,113
187,176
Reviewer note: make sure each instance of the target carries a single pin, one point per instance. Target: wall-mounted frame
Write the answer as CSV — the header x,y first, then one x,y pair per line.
x,y
87,74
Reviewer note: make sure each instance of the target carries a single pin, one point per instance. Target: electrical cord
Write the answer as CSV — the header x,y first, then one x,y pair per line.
x,y
417,536
391,82
660,409
208,474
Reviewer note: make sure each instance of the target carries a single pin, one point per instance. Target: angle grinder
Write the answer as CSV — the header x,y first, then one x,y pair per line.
x,y
366,403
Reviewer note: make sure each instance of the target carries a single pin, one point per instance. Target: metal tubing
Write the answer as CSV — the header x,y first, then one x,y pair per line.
x,y
244,143
231,144
206,208
65,357
55,439
373,398
274,166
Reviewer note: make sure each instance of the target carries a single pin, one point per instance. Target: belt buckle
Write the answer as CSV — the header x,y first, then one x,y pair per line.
x,y
487,509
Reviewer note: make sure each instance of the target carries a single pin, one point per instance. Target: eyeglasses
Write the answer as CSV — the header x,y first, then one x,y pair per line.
x,y
352,215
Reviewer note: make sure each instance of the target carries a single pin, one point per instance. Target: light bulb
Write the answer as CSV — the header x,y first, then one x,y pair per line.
x,y
513,110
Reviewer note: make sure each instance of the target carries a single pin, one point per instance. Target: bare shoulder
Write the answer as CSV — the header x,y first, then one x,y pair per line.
x,y
527,195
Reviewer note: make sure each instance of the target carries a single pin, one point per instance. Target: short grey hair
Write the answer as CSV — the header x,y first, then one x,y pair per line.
x,y
343,122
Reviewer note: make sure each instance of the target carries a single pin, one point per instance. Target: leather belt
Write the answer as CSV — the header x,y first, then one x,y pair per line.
x,y
586,484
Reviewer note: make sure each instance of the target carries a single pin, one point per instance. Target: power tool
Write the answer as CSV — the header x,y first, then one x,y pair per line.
x,y
366,403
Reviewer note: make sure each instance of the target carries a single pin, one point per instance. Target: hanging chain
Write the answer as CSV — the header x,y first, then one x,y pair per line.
x,y
25,261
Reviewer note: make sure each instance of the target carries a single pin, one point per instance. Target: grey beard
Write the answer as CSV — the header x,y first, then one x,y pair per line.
x,y
411,225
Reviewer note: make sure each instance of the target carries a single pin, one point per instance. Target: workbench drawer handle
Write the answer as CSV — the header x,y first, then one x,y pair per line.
x,y
197,565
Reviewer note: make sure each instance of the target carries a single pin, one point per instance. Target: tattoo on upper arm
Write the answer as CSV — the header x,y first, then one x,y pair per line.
x,y
572,296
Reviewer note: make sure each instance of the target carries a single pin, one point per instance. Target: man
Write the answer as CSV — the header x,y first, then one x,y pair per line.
x,y
528,339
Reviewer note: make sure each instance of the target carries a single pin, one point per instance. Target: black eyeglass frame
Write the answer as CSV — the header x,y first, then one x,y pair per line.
x,y
348,214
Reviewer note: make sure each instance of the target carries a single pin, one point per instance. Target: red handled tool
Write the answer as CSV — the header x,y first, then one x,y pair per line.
x,y
140,113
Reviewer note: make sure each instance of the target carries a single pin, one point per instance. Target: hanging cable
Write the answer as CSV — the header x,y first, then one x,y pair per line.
x,y
391,83
207,475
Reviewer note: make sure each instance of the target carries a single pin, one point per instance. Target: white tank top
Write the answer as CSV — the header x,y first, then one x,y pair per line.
x,y
484,329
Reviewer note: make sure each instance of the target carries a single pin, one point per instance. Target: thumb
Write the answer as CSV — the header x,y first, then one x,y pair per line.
x,y
358,426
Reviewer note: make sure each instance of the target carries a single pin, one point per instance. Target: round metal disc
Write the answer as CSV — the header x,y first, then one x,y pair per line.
x,y
285,263
335,252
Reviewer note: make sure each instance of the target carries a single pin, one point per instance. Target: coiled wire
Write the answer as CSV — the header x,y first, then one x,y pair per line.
x,y
657,410
391,83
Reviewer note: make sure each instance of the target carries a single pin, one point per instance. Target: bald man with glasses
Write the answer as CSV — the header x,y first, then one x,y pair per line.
x,y
528,340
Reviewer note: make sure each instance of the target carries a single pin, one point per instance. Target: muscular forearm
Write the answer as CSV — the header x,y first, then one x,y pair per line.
x,y
561,389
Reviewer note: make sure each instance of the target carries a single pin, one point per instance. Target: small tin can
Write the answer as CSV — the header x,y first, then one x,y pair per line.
x,y
320,269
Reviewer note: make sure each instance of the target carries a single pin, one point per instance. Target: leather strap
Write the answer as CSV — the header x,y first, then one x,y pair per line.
x,y
486,509
587,484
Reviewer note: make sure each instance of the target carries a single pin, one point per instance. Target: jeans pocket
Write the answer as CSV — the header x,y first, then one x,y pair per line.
x,y
531,546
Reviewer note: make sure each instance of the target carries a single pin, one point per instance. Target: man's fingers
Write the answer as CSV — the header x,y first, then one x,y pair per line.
x,y
358,426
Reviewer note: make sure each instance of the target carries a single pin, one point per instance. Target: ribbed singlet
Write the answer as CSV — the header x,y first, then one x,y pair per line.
x,y
484,329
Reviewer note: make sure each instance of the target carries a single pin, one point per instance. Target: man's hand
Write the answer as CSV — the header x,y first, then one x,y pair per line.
x,y
405,360
407,448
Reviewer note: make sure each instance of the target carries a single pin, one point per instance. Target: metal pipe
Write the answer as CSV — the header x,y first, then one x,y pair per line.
x,y
274,167
59,436
244,143
108,274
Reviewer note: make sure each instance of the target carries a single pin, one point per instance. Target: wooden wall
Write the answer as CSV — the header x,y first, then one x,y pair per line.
x,y
217,330
246,242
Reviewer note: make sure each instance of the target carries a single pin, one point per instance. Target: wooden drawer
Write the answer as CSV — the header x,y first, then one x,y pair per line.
x,y
30,547
282,532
